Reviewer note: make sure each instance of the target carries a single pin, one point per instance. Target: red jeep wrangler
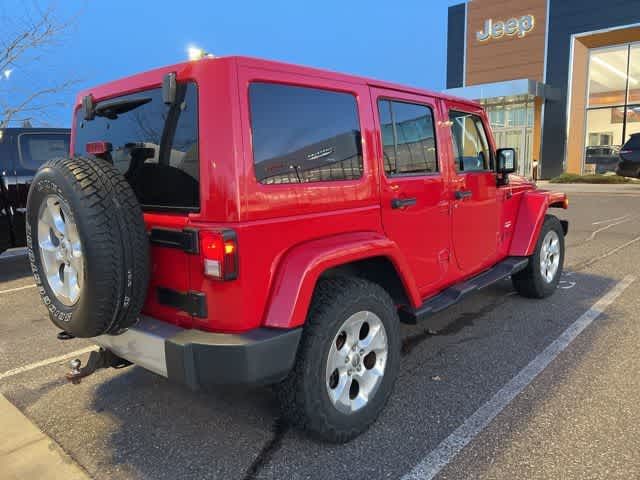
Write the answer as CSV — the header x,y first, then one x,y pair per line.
x,y
240,221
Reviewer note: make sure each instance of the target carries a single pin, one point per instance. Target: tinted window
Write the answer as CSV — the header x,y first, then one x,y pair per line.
x,y
37,148
304,134
155,145
408,138
470,145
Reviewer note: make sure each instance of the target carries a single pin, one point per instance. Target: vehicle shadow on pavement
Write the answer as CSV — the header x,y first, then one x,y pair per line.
x,y
14,268
179,433
451,366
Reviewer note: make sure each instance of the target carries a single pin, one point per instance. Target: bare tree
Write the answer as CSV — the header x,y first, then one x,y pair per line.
x,y
22,45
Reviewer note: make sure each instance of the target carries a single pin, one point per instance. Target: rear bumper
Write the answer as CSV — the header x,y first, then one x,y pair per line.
x,y
199,359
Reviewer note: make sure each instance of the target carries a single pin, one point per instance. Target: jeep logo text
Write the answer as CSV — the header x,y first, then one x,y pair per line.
x,y
514,26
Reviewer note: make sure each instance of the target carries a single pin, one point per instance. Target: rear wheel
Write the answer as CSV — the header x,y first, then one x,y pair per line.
x,y
347,362
540,278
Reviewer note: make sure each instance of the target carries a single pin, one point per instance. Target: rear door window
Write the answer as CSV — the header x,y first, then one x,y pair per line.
x,y
303,135
154,145
408,138
37,148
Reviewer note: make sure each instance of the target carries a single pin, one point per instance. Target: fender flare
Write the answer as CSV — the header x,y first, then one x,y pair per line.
x,y
300,268
531,213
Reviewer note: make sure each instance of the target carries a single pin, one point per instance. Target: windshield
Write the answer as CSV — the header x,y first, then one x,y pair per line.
x,y
154,145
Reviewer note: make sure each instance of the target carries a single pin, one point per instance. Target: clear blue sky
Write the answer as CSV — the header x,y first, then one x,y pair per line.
x,y
401,41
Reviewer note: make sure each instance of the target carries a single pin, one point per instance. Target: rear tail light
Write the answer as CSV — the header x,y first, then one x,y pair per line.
x,y
220,254
98,149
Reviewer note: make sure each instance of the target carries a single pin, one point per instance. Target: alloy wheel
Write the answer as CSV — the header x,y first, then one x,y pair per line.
x,y
550,256
356,362
60,250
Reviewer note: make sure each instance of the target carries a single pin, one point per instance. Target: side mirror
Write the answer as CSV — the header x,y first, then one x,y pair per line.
x,y
169,88
506,160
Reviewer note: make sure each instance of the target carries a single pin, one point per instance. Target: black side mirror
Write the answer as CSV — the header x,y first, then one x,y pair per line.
x,y
169,88
506,160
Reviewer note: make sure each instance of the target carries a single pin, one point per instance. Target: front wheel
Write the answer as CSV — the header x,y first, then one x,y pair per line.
x,y
540,278
347,362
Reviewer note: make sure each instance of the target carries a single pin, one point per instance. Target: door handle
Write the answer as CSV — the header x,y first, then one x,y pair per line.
x,y
403,202
462,194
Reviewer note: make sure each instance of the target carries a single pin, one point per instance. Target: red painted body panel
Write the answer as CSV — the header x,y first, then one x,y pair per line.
x,y
288,235
533,208
301,267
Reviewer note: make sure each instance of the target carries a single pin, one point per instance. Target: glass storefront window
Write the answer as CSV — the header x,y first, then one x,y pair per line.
x,y
604,137
613,111
511,120
633,121
633,96
496,116
608,76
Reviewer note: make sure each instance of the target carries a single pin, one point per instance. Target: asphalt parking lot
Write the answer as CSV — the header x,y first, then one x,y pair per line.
x,y
577,419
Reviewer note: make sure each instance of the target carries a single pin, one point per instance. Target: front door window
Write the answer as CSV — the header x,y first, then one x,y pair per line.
x,y
470,145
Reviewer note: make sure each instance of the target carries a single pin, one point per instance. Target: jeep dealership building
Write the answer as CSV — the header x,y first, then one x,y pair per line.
x,y
560,79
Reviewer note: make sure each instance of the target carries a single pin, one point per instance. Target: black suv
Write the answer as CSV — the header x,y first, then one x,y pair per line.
x,y
629,165
22,151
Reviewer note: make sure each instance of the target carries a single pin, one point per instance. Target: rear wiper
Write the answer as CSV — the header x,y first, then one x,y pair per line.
x,y
112,108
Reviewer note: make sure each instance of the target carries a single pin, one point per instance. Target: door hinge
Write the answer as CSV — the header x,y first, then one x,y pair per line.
x,y
194,303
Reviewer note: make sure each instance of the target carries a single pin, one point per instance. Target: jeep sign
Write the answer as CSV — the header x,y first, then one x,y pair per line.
x,y
514,26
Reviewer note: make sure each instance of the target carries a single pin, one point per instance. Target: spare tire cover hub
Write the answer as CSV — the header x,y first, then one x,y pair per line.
x,y
60,250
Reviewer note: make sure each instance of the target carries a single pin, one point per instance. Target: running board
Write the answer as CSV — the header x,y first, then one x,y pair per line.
x,y
457,292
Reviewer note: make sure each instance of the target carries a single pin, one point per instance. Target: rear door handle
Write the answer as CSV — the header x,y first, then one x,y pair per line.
x,y
403,202
463,194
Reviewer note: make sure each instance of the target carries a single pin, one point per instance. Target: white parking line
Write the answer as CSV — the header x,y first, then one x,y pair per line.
x,y
46,362
609,253
606,227
445,452
17,289
611,219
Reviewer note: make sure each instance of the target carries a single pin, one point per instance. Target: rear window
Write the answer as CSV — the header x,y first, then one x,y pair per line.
x,y
633,143
303,135
154,145
37,148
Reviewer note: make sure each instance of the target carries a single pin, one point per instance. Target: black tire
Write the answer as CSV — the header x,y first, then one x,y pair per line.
x,y
303,395
115,248
530,282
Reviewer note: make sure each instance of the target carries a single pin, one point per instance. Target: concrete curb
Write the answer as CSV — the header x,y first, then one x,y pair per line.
x,y
26,452
611,189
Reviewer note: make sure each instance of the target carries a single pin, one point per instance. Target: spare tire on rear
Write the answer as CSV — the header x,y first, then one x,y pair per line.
x,y
87,246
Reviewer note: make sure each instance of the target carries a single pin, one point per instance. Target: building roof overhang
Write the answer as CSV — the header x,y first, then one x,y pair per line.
x,y
509,88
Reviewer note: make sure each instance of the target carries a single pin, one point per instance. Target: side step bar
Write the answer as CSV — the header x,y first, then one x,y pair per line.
x,y
457,292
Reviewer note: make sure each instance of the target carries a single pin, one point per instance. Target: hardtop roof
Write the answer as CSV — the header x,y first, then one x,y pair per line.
x,y
154,77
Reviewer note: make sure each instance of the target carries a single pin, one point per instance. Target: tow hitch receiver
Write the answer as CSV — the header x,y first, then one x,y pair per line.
x,y
97,359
